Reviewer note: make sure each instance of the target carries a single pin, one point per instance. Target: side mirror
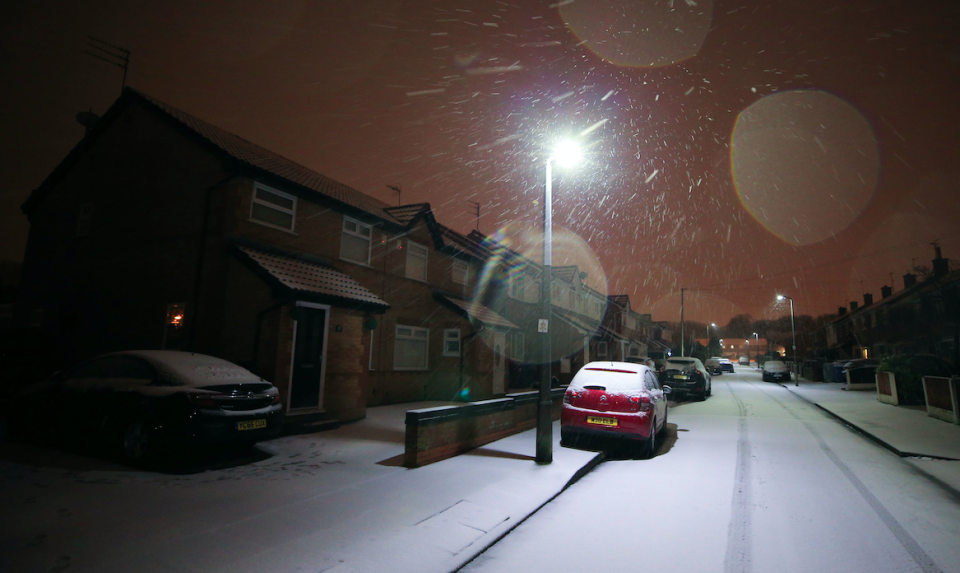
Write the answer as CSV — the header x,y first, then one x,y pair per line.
x,y
667,390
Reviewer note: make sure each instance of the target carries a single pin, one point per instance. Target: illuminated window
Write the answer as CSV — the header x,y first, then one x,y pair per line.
x,y
355,241
273,208
84,219
410,348
173,326
451,342
460,272
417,261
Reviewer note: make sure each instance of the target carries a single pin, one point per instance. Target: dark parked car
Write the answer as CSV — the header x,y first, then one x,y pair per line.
x,y
726,365
775,371
619,400
687,376
139,401
713,366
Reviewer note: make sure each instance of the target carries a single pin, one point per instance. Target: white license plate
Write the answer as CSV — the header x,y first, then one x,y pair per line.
x,y
251,424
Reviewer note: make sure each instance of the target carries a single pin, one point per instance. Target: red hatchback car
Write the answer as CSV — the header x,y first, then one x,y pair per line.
x,y
615,400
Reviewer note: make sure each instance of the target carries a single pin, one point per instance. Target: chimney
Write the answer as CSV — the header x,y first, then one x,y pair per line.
x,y
853,305
867,298
885,291
842,311
941,266
909,280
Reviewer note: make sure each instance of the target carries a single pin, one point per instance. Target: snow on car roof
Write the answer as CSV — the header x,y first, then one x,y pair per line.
x,y
613,376
189,369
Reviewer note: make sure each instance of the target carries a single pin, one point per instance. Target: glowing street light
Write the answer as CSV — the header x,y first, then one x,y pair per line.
x,y
757,336
566,154
793,331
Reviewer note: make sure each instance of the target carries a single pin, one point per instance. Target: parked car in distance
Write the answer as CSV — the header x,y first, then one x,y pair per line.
x,y
142,401
775,371
713,366
659,358
645,360
744,361
726,365
618,400
687,376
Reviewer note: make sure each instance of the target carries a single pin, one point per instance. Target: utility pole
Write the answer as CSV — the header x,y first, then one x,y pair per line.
x,y
113,55
682,341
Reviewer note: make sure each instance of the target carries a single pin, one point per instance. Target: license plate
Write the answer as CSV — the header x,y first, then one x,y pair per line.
x,y
681,377
251,424
602,421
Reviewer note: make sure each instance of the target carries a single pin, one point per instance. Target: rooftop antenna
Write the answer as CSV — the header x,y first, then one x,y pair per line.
x,y
476,210
397,189
114,55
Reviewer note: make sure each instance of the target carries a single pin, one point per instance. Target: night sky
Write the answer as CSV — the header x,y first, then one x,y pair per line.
x,y
733,149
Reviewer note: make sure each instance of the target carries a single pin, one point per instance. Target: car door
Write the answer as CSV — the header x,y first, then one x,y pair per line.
x,y
653,388
83,393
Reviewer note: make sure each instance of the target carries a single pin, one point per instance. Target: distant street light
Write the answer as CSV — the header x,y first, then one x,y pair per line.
x,y
757,336
793,331
714,325
566,153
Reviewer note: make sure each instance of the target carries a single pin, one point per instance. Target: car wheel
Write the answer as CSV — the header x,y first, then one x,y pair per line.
x,y
649,447
663,428
135,442
566,438
710,389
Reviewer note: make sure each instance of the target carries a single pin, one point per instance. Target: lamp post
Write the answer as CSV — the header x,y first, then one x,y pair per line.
x,y
566,153
757,336
714,325
793,331
748,351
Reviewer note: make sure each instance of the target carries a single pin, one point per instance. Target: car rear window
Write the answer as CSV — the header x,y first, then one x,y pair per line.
x,y
612,379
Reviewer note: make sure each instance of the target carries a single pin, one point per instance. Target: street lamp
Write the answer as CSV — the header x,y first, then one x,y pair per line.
x,y
566,153
757,336
793,331
708,335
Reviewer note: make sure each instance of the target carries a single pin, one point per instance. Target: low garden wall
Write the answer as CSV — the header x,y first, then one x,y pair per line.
x,y
887,388
941,395
434,434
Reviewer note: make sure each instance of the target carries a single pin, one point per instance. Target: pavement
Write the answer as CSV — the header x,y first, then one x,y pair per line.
x,y
344,503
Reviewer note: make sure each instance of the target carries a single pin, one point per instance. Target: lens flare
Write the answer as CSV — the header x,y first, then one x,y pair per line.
x,y
805,164
651,33
511,288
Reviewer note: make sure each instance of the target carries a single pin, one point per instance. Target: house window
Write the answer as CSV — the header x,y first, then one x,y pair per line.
x,y
355,241
518,346
602,349
410,348
84,218
460,271
273,208
416,261
518,288
173,326
451,342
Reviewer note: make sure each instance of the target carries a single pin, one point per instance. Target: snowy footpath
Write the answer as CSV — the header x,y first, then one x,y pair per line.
x,y
331,501
931,445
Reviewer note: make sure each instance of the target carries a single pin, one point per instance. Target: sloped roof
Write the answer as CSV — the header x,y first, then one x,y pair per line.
x,y
565,272
405,214
621,300
314,279
477,311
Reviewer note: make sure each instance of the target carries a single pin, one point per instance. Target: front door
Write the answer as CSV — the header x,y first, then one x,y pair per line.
x,y
499,364
309,352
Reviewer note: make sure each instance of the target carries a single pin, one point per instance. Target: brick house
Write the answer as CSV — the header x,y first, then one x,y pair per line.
x,y
159,230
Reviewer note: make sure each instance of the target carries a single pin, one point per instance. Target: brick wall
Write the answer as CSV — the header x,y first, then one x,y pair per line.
x,y
434,434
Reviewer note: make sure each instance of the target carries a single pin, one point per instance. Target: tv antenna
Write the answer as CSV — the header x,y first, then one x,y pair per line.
x,y
476,211
113,55
397,189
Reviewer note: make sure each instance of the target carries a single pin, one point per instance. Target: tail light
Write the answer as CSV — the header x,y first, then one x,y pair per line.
x,y
569,395
640,403
204,401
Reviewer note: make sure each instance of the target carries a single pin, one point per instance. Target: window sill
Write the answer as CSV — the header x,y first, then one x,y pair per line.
x,y
367,265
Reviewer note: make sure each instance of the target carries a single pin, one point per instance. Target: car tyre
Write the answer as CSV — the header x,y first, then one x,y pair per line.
x,y
135,442
710,389
648,446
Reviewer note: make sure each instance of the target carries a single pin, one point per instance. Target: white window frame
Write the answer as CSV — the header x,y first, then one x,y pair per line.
x,y
519,350
518,287
358,234
449,335
84,219
413,335
413,249
460,268
256,201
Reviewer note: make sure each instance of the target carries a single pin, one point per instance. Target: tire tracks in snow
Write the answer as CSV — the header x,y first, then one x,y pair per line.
x,y
910,545
739,533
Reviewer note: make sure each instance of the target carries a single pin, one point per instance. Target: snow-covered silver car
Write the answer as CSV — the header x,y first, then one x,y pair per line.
x,y
140,400
775,371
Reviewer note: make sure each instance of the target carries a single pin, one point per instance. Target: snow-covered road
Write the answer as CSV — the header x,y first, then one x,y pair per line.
x,y
753,479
